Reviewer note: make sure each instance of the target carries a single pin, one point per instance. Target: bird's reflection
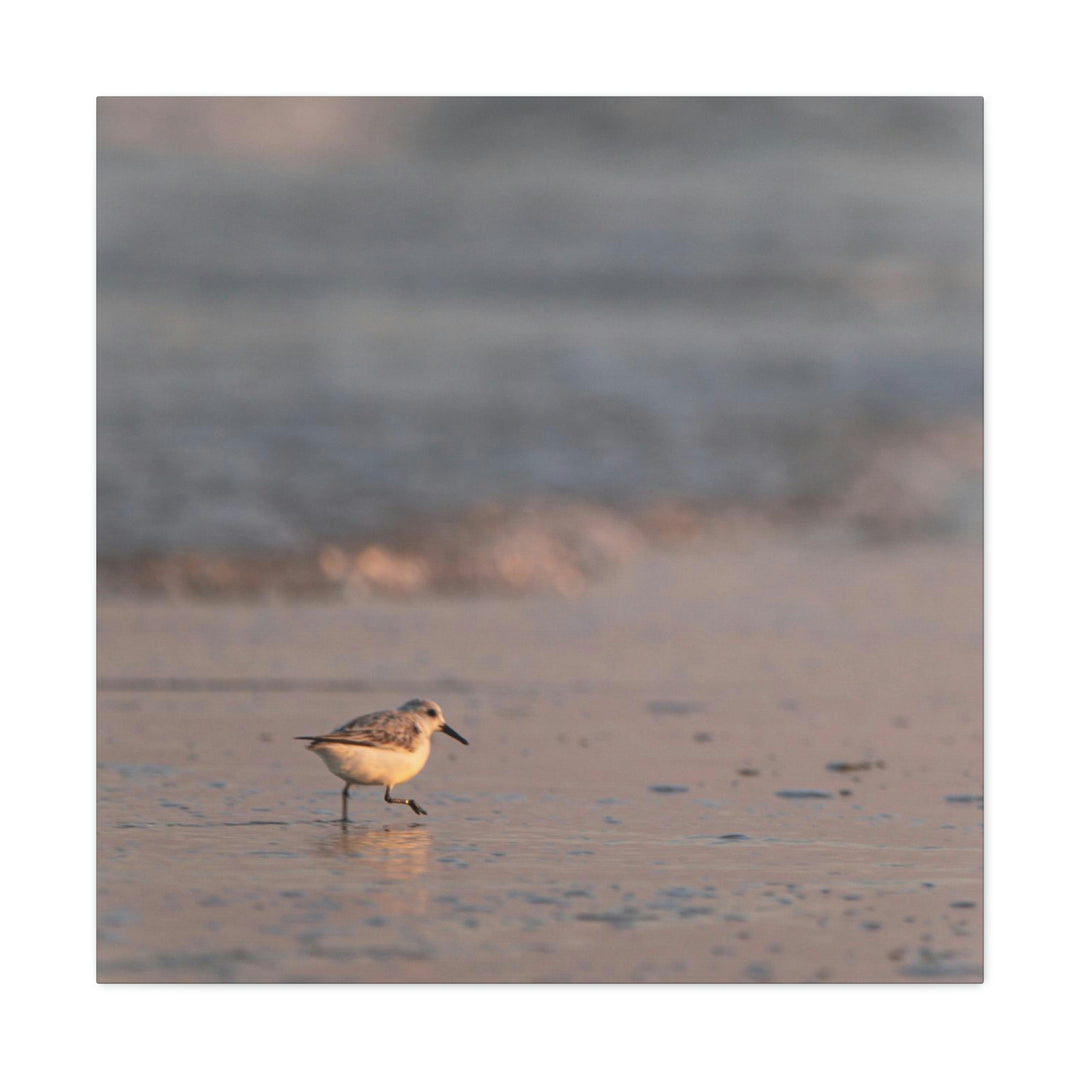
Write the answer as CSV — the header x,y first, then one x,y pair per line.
x,y
391,853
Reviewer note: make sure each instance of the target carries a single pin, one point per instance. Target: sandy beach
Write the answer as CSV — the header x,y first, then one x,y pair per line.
x,y
731,762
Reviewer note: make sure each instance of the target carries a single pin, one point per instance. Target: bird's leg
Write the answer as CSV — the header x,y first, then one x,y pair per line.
x,y
345,803
414,806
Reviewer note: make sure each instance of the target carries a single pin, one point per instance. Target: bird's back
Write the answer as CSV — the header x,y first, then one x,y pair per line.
x,y
388,730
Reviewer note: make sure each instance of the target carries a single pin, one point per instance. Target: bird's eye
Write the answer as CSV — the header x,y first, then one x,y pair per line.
x,y
432,712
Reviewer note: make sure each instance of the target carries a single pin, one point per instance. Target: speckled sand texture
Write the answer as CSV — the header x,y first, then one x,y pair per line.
x,y
755,763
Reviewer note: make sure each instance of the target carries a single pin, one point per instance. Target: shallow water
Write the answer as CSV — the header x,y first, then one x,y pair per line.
x,y
208,875
584,834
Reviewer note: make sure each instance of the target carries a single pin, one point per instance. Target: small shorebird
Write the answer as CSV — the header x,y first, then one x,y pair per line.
x,y
385,748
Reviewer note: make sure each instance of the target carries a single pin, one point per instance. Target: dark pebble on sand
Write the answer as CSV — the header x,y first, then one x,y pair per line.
x,y
667,789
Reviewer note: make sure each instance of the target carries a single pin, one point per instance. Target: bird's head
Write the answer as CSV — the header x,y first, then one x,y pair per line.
x,y
429,716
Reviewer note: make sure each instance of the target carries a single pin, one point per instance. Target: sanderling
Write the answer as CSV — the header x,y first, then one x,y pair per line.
x,y
385,748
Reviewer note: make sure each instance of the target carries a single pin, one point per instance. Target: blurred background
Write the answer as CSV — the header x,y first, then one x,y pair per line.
x,y
398,344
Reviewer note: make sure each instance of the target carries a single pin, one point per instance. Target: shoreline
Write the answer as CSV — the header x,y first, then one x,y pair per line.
x,y
912,485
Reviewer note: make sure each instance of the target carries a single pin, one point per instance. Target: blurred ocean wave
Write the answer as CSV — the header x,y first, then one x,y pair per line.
x,y
320,322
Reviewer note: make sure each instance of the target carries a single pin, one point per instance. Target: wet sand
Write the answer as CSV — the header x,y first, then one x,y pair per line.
x,y
734,763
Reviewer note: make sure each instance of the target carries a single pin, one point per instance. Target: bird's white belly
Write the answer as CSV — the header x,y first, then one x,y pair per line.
x,y
372,765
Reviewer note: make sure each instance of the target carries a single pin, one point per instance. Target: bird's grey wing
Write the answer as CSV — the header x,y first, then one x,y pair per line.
x,y
390,730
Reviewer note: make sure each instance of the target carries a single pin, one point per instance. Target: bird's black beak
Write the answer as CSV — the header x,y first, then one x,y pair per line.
x,y
446,729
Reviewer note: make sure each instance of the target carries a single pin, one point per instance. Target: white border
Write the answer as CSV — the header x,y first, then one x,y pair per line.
x,y
1022,60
